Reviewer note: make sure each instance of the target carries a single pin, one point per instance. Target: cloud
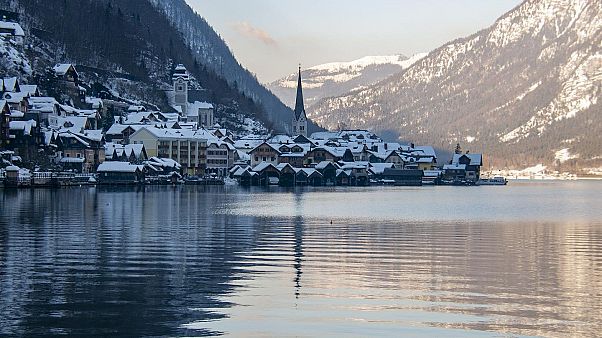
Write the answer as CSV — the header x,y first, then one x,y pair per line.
x,y
246,29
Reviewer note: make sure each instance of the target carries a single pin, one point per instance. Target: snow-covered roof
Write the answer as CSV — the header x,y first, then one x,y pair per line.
x,y
262,166
164,162
15,97
62,68
324,135
379,168
199,105
79,137
10,84
219,143
75,124
136,149
42,99
247,144
117,129
15,114
134,108
114,166
324,164
94,101
94,135
3,104
24,126
12,26
281,139
183,134
426,150
29,89
269,145
475,159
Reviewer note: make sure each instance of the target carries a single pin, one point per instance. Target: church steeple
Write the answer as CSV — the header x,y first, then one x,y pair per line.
x,y
299,105
300,118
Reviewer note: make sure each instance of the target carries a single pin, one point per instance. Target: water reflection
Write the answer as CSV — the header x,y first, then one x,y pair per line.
x,y
210,260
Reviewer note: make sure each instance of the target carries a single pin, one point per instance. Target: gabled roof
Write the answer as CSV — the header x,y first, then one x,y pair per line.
x,y
117,129
325,164
164,162
379,168
267,144
263,166
282,166
24,126
11,84
62,68
15,97
475,159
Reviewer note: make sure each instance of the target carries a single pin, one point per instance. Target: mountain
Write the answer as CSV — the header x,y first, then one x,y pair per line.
x,y
133,47
207,45
524,91
337,78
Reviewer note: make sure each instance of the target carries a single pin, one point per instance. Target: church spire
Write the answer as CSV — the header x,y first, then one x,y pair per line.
x,y
299,106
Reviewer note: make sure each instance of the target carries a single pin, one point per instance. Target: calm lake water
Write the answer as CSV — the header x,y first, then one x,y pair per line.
x,y
521,260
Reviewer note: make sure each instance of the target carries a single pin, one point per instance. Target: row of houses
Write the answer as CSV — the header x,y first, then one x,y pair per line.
x,y
31,124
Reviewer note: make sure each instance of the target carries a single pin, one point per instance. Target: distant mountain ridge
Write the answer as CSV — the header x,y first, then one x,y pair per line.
x,y
337,78
525,90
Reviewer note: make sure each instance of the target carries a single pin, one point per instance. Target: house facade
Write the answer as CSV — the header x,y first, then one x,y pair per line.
x,y
187,147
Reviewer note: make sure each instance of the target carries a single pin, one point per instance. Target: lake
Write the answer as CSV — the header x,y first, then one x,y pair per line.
x,y
520,260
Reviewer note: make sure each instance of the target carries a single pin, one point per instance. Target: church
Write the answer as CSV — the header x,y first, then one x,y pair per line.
x,y
196,111
299,118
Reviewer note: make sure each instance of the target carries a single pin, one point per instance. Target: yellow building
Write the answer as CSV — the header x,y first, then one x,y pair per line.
x,y
187,147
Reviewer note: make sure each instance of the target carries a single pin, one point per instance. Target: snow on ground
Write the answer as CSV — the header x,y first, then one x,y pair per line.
x,y
369,61
12,60
564,155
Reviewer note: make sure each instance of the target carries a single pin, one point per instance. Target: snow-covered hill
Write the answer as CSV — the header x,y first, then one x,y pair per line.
x,y
337,78
521,90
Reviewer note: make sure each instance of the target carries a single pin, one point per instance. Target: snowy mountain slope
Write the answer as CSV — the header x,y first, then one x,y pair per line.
x,y
13,62
337,78
520,90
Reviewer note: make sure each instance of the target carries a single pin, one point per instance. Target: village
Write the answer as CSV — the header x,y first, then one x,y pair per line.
x,y
50,141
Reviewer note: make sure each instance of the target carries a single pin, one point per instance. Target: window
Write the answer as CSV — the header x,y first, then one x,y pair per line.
x,y
256,159
180,88
265,158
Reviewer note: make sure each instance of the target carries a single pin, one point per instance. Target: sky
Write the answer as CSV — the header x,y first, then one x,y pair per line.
x,y
271,37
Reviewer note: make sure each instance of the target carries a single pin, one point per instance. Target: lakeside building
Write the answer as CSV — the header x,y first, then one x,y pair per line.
x,y
187,147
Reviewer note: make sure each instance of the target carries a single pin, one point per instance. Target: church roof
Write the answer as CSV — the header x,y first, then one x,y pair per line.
x,y
299,106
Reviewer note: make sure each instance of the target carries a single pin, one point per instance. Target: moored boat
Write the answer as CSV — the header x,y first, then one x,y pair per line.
x,y
497,180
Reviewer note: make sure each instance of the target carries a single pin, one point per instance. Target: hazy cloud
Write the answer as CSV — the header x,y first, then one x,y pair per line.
x,y
248,30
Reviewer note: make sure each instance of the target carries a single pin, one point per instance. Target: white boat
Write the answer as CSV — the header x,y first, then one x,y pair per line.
x,y
497,180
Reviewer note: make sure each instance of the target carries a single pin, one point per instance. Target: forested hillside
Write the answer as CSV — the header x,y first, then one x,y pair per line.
x,y
134,46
